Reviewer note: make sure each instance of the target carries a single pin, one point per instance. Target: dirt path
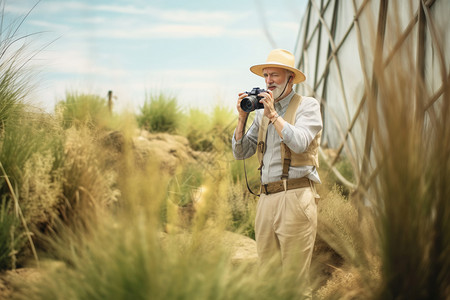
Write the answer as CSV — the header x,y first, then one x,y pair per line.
x,y
8,279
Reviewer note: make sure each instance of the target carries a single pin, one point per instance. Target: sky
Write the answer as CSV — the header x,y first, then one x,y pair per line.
x,y
198,51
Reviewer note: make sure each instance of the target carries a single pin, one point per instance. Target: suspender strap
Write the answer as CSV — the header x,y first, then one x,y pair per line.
x,y
289,117
286,161
262,136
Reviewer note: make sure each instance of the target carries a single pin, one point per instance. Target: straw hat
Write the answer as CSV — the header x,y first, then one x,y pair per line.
x,y
280,58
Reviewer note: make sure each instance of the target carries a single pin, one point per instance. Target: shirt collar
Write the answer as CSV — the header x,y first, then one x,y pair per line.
x,y
283,103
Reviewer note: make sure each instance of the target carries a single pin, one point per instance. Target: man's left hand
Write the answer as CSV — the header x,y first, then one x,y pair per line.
x,y
269,104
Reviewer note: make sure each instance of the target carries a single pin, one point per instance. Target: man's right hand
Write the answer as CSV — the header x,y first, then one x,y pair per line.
x,y
242,114
242,117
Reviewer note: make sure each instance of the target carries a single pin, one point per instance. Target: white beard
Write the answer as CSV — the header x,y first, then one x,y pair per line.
x,y
278,90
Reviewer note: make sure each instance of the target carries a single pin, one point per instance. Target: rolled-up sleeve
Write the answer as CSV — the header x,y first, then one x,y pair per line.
x,y
246,147
308,123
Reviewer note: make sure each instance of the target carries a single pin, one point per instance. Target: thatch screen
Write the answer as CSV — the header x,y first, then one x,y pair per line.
x,y
338,46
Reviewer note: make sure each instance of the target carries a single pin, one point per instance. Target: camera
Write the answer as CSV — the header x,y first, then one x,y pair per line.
x,y
251,102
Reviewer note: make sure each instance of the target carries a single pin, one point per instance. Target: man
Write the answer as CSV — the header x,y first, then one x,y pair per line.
x,y
286,141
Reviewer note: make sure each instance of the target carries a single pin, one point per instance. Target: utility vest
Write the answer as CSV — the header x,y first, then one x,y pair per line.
x,y
289,158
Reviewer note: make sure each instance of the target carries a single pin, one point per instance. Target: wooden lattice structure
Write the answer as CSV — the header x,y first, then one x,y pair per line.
x,y
339,44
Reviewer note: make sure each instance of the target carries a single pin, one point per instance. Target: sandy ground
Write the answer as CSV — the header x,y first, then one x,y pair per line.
x,y
8,279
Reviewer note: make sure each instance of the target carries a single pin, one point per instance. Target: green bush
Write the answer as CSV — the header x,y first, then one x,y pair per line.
x,y
160,113
83,109
197,129
209,131
30,134
223,124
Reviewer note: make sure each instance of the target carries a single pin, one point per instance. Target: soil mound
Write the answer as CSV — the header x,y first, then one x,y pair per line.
x,y
171,150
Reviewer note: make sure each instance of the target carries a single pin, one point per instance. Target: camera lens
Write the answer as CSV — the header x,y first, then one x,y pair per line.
x,y
247,104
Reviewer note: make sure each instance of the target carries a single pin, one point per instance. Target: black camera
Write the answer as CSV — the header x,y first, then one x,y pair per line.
x,y
251,102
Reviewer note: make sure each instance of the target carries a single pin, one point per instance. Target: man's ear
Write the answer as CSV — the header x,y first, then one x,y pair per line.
x,y
291,78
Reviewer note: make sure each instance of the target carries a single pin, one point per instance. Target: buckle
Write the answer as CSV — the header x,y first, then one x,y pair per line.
x,y
261,147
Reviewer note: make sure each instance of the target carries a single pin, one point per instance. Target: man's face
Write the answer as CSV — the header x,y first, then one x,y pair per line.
x,y
276,79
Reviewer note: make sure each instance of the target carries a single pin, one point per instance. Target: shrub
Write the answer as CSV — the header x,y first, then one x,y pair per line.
x,y
31,154
182,187
30,134
89,182
83,109
197,129
209,132
223,124
160,113
242,208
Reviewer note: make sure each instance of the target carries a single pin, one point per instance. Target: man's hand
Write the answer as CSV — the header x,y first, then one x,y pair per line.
x,y
269,104
242,114
270,112
242,117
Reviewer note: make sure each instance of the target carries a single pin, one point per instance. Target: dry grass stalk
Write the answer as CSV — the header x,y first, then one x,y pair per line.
x,y
20,215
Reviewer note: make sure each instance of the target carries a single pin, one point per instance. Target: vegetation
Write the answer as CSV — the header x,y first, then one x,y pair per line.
x,y
160,113
11,240
83,110
103,222
196,127
411,195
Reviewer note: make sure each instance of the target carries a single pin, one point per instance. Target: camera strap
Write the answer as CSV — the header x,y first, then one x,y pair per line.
x,y
244,133
246,181
284,88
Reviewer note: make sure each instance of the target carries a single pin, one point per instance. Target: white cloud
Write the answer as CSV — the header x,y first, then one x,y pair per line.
x,y
44,24
168,31
76,61
287,25
134,22
206,17
171,15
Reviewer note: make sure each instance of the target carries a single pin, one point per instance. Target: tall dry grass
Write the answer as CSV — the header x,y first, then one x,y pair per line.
x,y
403,233
410,190
12,239
348,265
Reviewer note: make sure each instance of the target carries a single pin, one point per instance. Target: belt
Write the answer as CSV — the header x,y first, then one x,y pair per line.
x,y
278,186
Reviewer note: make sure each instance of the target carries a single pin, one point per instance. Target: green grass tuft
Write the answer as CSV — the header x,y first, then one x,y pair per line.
x,y
83,110
160,113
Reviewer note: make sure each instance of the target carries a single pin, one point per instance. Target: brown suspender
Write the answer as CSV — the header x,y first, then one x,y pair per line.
x,y
289,117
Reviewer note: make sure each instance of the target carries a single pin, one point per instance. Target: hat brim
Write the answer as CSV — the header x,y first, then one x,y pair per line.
x,y
258,70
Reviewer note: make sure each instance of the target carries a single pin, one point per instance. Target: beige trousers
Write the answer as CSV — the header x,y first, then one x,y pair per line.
x,y
285,231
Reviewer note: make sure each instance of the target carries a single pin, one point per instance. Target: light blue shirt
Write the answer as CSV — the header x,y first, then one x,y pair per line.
x,y
308,122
